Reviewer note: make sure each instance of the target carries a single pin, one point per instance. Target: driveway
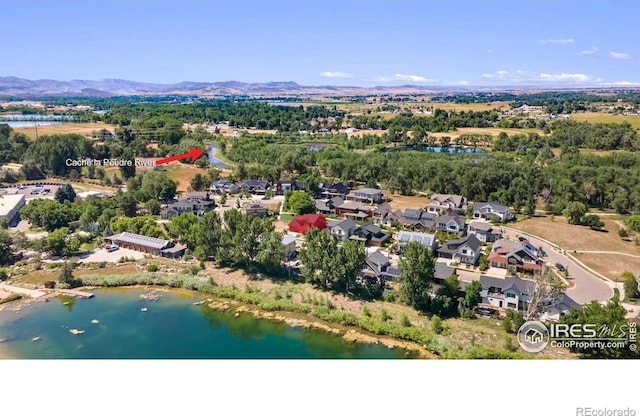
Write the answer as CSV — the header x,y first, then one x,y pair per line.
x,y
587,286
100,254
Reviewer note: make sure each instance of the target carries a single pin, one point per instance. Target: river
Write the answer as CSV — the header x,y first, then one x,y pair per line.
x,y
118,324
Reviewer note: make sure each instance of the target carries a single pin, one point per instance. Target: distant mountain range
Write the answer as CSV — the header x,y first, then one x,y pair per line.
x,y
19,87
24,88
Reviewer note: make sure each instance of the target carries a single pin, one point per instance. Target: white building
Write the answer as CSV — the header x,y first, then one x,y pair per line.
x,y
10,206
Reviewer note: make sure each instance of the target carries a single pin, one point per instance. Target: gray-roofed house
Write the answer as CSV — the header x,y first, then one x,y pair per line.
x,y
441,272
465,250
256,210
485,231
344,229
377,269
328,206
196,207
282,187
451,204
370,234
381,210
429,240
418,219
146,244
514,292
492,210
367,195
198,196
254,186
223,186
335,189
451,224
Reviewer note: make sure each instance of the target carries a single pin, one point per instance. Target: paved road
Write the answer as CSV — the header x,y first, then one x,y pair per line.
x,y
587,287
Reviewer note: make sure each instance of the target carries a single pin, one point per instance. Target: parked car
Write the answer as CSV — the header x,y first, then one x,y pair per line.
x,y
112,249
560,267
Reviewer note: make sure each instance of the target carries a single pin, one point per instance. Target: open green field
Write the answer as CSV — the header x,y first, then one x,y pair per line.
x,y
607,118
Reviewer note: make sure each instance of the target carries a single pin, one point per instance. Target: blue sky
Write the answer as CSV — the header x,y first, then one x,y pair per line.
x,y
484,43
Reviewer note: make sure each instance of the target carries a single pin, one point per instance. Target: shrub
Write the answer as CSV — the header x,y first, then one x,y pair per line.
x,y
436,324
152,268
11,298
384,315
404,320
366,311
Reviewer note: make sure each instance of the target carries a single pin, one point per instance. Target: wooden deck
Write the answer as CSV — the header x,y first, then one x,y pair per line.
x,y
76,293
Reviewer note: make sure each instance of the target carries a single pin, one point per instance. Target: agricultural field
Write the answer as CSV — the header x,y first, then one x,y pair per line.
x,y
607,118
77,128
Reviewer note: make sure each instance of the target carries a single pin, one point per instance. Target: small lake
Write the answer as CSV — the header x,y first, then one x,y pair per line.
x,y
30,120
438,149
215,161
171,327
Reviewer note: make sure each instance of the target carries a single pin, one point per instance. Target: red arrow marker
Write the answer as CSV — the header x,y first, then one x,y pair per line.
x,y
193,154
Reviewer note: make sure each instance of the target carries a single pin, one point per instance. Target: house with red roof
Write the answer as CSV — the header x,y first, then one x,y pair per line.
x,y
303,223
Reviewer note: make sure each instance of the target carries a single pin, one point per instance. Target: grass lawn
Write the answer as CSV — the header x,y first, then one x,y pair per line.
x,y
182,173
287,217
88,246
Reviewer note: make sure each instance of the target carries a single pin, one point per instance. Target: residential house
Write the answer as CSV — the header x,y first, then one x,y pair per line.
x,y
492,211
451,224
464,251
289,243
429,240
335,189
450,204
367,195
254,186
485,231
377,269
381,210
521,255
392,218
370,234
224,186
282,187
257,210
328,206
516,293
145,244
198,196
418,219
180,206
355,210
442,272
344,229
303,223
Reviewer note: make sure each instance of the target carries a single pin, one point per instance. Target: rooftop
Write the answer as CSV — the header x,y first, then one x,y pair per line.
x,y
9,202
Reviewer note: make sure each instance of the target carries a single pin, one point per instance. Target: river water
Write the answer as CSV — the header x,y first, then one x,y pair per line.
x,y
127,326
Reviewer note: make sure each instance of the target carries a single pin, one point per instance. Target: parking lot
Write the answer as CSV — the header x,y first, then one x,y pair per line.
x,y
33,191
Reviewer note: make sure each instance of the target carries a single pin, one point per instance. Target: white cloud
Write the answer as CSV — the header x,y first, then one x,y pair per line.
x,y
336,74
589,51
460,83
520,76
619,55
556,41
403,78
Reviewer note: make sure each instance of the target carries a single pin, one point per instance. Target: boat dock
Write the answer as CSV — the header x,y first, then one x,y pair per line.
x,y
76,293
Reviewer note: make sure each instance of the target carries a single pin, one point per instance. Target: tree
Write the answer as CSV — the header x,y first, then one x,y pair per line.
x,y
128,204
574,212
483,263
633,223
417,269
547,286
184,227
301,202
271,253
593,221
208,236
66,275
156,184
65,193
128,170
197,182
350,258
630,285
471,298
48,214
59,243
446,302
610,316
318,257
223,199
152,206
6,254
